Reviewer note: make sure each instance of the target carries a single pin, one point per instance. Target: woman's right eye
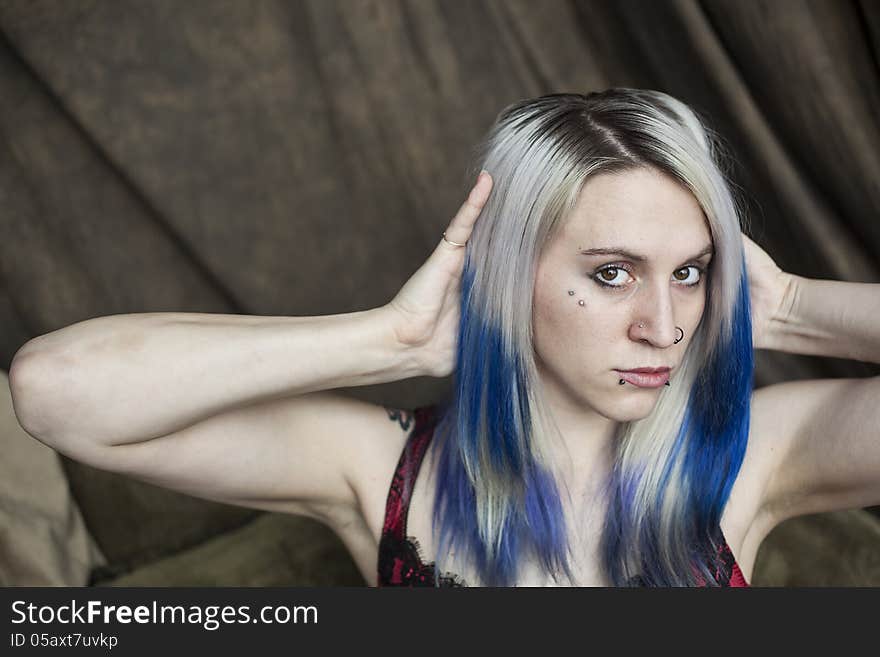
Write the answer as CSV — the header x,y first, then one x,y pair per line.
x,y
607,276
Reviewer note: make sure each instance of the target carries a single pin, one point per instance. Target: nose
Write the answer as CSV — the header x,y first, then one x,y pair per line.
x,y
654,317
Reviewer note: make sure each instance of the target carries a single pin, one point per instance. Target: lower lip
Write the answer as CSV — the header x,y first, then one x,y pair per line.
x,y
644,380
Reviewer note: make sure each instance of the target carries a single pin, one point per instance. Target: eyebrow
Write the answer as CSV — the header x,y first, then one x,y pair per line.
x,y
616,250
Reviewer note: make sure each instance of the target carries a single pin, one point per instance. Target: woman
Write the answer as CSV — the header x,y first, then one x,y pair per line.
x,y
604,240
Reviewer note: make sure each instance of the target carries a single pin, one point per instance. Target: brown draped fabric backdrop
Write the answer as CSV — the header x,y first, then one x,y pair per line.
x,y
302,158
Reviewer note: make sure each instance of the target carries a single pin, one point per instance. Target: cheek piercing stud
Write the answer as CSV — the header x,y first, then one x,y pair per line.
x,y
580,302
571,293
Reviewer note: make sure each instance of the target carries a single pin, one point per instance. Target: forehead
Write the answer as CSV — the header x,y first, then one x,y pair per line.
x,y
642,209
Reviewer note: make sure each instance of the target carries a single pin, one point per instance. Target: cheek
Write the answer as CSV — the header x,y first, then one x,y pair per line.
x,y
698,309
569,335
555,316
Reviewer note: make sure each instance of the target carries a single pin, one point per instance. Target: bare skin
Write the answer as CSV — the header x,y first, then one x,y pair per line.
x,y
579,346
281,438
782,475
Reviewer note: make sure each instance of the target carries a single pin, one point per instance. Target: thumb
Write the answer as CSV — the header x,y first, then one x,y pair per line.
x,y
459,230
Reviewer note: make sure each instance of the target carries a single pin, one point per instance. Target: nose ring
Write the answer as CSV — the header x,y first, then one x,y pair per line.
x,y
677,328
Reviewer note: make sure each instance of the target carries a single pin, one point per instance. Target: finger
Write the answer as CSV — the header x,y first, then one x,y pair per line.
x,y
459,229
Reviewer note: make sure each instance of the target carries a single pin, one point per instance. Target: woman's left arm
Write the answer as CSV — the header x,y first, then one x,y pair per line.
x,y
828,318
821,437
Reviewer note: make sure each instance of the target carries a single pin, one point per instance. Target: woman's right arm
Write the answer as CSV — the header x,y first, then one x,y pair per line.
x,y
231,408
124,379
239,408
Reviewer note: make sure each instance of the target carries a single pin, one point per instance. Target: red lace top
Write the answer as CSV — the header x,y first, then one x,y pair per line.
x,y
400,558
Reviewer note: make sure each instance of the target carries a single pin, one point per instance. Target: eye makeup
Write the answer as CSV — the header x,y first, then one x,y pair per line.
x,y
617,267
598,275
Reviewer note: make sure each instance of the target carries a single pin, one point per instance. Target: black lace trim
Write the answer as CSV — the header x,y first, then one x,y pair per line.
x,y
402,565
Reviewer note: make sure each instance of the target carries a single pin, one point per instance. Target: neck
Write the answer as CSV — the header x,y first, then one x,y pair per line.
x,y
583,450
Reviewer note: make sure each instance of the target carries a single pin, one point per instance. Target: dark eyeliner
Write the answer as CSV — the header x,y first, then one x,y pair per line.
x,y
699,269
595,275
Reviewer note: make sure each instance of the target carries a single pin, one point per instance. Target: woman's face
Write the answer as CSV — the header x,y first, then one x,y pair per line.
x,y
582,339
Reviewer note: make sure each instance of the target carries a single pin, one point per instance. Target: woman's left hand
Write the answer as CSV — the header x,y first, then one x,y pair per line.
x,y
771,290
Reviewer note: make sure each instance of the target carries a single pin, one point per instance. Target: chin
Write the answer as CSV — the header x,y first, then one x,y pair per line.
x,y
625,416
630,410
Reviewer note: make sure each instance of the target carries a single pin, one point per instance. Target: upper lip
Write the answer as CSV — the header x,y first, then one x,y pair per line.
x,y
648,370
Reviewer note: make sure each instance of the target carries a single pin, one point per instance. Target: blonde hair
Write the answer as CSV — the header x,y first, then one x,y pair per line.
x,y
495,496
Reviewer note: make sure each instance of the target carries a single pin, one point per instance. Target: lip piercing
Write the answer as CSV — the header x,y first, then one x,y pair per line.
x,y
621,382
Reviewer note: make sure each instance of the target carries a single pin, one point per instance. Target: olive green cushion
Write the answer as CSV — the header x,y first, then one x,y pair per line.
x,y
136,523
828,549
273,550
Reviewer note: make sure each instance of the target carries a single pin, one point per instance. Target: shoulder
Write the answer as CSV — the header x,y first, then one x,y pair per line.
x,y
378,455
819,445
748,516
770,433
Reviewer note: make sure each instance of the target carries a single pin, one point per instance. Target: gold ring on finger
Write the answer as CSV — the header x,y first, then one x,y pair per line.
x,y
451,242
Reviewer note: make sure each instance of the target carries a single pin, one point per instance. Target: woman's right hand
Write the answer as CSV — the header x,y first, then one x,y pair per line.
x,y
425,313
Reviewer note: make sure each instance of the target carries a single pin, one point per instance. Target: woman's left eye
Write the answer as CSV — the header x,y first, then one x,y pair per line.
x,y
688,280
